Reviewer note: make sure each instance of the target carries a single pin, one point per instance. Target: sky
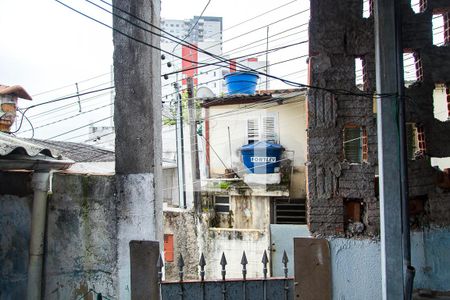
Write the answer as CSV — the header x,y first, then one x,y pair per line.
x,y
47,47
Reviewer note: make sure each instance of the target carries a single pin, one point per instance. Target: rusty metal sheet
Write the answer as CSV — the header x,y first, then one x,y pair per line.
x,y
312,267
144,274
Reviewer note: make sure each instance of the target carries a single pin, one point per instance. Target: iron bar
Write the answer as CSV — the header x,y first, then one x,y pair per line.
x,y
159,266
202,264
264,261
181,273
223,263
244,263
285,261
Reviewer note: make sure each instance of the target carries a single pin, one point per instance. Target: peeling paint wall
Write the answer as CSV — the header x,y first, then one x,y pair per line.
x,y
81,239
81,250
182,224
15,216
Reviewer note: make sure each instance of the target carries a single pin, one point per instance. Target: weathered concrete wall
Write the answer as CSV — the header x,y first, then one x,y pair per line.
x,y
356,272
81,236
183,225
339,35
81,239
233,242
15,216
250,212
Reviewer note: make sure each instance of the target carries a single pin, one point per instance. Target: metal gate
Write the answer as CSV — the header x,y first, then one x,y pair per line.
x,y
265,288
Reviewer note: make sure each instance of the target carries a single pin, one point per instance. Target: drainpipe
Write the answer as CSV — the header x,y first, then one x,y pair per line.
x,y
40,184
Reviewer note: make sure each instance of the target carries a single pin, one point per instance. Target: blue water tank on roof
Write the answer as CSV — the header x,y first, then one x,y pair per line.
x,y
261,157
241,83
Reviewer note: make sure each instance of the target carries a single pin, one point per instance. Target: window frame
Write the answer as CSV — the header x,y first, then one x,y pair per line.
x,y
222,204
261,128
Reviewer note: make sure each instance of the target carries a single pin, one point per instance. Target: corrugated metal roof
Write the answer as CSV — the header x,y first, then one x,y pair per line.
x,y
13,145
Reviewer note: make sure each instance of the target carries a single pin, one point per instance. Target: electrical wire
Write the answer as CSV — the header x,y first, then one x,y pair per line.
x,y
123,33
56,100
78,128
193,26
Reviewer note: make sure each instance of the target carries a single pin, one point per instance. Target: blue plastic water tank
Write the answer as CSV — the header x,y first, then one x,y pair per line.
x,y
261,157
241,83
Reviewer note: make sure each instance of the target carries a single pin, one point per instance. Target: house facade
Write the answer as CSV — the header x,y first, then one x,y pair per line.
x,y
240,210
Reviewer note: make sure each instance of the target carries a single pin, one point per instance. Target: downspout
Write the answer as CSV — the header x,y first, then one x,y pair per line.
x,y
40,185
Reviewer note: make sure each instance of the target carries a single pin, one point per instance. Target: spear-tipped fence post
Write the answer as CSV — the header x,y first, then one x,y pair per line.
x,y
181,273
265,261
244,263
180,266
285,261
159,266
223,263
202,264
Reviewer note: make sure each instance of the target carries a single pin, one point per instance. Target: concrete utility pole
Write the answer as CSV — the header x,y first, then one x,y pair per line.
x,y
194,143
180,148
137,119
386,56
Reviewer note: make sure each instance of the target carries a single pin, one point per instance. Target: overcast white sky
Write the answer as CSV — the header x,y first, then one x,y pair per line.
x,y
46,46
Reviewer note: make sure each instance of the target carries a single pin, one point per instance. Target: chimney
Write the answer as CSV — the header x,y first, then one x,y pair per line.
x,y
9,96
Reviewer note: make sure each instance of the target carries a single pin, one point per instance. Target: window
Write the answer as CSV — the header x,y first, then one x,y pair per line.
x,y
263,128
412,67
415,141
222,204
168,248
289,211
411,140
355,144
367,8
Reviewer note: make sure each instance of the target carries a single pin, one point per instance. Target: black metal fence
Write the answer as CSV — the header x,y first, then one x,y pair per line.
x,y
244,288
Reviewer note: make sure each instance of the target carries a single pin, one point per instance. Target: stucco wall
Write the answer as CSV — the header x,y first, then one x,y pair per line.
x,y
15,215
232,242
291,125
182,224
356,265
82,237
81,251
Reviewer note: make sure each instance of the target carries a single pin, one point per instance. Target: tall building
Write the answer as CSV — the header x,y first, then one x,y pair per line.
x,y
205,33
205,29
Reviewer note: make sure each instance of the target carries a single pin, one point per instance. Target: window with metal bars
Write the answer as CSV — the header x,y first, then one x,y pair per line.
x,y
411,140
222,204
355,144
289,211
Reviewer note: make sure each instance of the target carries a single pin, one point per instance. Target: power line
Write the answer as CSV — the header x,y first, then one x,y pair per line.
x,y
57,100
69,85
288,82
193,26
78,128
123,33
69,117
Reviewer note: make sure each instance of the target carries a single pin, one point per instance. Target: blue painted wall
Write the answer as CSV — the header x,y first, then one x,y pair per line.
x,y
356,264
